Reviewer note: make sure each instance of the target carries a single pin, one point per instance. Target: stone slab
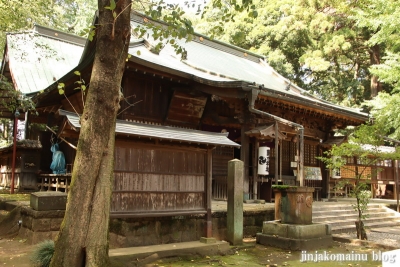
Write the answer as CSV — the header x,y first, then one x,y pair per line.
x,y
296,231
50,200
295,244
208,240
132,254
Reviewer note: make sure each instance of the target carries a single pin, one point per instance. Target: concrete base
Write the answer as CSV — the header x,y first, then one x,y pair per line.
x,y
295,237
50,200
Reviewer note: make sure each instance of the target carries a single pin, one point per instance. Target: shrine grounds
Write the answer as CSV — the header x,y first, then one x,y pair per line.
x,y
15,252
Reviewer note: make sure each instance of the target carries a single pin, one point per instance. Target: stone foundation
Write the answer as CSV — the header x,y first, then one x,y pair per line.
x,y
38,226
130,232
295,237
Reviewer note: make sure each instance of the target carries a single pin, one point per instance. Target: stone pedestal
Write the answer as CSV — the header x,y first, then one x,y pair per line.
x,y
295,237
293,205
293,228
50,200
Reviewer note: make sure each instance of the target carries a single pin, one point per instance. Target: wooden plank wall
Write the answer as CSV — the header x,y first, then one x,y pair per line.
x,y
154,179
221,157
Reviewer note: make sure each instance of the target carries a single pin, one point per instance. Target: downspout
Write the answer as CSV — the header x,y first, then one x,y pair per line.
x,y
299,128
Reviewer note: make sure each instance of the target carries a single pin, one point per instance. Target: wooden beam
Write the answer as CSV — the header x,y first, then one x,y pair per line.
x,y
71,145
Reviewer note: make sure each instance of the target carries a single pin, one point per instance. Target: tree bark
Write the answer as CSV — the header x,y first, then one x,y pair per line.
x,y
83,237
375,58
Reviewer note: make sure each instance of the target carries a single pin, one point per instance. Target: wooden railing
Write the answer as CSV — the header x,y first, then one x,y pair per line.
x,y
54,182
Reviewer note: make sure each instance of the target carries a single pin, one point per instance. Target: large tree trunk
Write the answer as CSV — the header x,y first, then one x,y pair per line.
x,y
83,237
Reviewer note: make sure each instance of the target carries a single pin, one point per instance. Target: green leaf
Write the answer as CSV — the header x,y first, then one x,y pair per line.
x,y
60,91
138,53
77,72
83,87
60,85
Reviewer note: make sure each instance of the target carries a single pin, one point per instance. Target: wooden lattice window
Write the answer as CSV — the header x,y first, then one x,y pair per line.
x,y
306,154
310,152
293,148
286,151
349,172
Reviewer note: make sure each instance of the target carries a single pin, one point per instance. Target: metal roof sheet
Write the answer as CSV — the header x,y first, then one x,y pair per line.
x,y
219,62
162,132
36,59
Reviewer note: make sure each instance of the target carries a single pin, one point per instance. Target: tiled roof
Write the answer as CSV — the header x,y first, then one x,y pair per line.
x,y
27,144
162,132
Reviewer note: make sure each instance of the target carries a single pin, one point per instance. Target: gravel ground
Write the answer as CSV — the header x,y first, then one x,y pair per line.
x,y
387,239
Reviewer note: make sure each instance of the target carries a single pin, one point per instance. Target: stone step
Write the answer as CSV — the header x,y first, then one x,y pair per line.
x,y
342,216
343,212
371,225
338,222
342,207
352,216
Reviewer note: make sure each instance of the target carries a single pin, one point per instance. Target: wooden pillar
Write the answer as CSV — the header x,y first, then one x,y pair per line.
x,y
396,190
245,156
14,155
209,192
301,158
276,175
255,169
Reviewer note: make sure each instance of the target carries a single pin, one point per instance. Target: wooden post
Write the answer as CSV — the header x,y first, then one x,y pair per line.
x,y
396,162
244,156
235,202
276,153
14,155
301,158
209,192
255,169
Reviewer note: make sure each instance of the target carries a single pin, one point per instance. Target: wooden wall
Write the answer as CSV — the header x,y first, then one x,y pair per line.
x,y
151,179
26,166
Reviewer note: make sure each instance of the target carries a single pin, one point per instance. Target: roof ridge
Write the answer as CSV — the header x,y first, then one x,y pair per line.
x,y
59,35
207,41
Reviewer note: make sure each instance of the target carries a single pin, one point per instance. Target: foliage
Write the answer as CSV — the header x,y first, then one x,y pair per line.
x,y
363,147
363,195
12,99
283,187
385,109
41,256
69,15
326,47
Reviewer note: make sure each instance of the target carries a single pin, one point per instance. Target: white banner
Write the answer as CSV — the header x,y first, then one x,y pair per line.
x,y
263,160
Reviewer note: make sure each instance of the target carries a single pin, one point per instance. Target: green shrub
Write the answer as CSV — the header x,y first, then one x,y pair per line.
x,y
43,253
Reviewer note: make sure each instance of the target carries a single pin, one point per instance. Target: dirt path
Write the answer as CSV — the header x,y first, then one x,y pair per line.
x,y
15,252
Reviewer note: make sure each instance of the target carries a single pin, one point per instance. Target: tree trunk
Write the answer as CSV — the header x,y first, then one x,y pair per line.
x,y
361,233
83,237
375,58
